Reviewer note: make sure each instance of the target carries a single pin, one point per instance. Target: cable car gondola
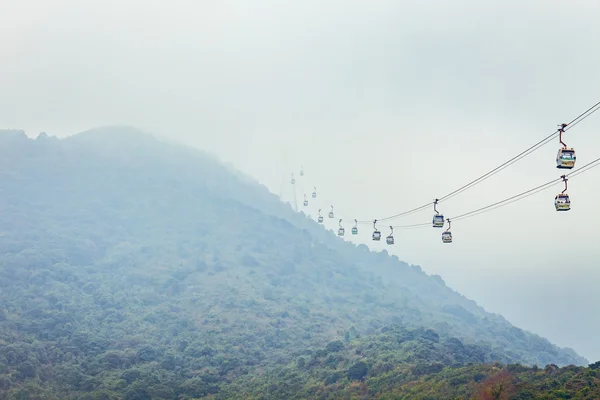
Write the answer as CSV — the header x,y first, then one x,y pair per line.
x,y
341,229
390,238
438,219
305,201
331,212
565,158
320,219
293,179
562,202
302,171
314,193
376,233
447,235
355,228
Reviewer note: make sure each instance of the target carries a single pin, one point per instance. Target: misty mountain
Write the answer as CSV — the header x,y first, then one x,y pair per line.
x,y
128,263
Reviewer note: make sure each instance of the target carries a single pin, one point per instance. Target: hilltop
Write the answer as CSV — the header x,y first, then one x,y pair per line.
x,y
127,263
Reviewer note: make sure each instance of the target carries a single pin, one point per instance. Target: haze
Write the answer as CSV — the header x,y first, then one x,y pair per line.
x,y
386,104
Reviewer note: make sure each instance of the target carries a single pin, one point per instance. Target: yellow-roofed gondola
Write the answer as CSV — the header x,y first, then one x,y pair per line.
x,y
565,158
562,202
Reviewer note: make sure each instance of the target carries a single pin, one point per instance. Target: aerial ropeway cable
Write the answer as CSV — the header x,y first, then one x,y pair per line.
x,y
562,203
562,200
562,155
565,159
527,193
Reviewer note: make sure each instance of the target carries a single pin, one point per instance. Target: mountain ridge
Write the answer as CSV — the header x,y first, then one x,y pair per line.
x,y
158,252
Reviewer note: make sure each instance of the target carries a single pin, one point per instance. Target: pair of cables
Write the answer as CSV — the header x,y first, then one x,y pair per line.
x,y
544,141
499,168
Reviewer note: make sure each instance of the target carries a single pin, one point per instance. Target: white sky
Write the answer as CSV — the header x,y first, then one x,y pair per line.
x,y
387,104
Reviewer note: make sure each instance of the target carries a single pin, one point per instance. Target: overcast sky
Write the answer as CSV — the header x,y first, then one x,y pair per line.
x,y
387,104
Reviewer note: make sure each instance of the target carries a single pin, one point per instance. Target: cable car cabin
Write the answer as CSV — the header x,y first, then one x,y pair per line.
x,y
355,231
341,231
438,221
389,239
447,237
562,202
314,195
305,203
377,235
565,159
320,219
330,214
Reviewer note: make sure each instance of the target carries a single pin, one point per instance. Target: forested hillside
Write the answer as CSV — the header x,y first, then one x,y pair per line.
x,y
400,363
132,268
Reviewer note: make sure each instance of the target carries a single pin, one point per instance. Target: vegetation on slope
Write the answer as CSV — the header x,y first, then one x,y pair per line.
x,y
400,363
132,268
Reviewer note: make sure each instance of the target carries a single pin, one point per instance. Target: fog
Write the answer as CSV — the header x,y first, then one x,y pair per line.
x,y
387,105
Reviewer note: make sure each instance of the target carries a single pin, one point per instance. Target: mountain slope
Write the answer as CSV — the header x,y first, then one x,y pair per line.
x,y
400,363
126,260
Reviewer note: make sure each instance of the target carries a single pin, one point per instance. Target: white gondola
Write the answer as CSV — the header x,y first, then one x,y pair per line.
x,y
447,237
438,219
562,202
305,201
314,193
565,159
376,233
331,213
390,239
320,219
293,181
